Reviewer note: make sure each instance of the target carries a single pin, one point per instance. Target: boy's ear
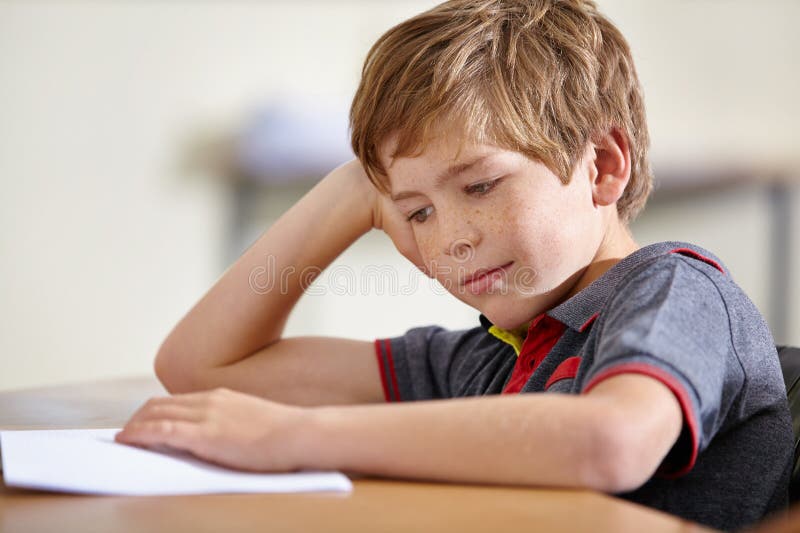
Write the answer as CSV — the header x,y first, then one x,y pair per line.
x,y
609,167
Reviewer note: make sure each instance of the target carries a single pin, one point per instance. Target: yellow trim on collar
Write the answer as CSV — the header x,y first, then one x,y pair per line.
x,y
514,338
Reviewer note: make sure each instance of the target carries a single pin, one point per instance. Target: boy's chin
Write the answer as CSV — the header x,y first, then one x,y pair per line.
x,y
507,314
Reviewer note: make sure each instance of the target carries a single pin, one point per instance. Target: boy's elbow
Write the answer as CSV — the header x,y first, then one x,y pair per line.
x,y
620,463
174,376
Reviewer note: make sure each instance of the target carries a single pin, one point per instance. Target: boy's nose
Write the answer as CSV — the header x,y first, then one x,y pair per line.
x,y
459,237
462,250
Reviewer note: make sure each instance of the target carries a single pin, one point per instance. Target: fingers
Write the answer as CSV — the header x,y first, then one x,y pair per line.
x,y
179,434
173,407
191,407
177,422
168,411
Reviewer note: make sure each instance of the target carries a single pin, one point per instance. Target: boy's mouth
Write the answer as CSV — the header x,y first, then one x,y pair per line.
x,y
474,281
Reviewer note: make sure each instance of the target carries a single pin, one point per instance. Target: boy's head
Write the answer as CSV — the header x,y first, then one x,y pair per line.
x,y
540,77
542,96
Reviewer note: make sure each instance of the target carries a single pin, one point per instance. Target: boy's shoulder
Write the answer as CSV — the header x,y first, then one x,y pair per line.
x,y
676,293
684,265
686,283
672,308
656,277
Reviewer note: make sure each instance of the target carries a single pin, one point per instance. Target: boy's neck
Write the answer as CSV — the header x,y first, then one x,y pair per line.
x,y
617,244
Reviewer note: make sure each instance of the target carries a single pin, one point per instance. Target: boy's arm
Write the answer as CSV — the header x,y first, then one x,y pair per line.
x,y
611,439
232,336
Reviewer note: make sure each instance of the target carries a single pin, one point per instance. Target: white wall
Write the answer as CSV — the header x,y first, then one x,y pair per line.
x,y
109,232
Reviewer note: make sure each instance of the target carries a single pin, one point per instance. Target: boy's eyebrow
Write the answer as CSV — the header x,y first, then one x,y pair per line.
x,y
442,178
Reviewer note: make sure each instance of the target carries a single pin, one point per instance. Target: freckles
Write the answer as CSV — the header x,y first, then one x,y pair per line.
x,y
426,247
488,216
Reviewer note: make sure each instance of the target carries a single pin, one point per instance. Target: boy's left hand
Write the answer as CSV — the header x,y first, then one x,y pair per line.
x,y
222,426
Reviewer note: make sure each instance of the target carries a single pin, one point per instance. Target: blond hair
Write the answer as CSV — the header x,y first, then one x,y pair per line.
x,y
540,77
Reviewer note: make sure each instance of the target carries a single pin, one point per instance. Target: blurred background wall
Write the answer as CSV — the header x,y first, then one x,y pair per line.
x,y
119,208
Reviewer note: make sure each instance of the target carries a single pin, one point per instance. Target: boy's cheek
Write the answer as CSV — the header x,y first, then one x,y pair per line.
x,y
426,246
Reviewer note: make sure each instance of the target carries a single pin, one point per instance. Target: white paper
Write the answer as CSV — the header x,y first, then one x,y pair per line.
x,y
89,461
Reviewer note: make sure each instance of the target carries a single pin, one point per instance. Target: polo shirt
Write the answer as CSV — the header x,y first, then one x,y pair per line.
x,y
671,311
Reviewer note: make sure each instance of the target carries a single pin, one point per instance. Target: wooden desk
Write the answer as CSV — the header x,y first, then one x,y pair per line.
x,y
375,505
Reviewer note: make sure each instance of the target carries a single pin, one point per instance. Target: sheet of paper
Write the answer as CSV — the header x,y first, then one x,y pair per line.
x,y
89,461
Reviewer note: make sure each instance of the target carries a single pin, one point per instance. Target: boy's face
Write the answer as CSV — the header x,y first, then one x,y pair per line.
x,y
503,235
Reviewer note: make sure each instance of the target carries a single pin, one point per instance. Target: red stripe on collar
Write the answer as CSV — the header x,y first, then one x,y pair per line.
x,y
695,255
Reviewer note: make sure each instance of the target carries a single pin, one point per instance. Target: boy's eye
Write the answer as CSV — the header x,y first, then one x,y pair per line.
x,y
483,187
420,215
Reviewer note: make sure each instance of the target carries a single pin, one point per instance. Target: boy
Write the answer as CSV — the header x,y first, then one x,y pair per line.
x,y
506,149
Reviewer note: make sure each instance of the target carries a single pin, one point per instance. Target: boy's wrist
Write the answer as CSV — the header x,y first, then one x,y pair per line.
x,y
315,446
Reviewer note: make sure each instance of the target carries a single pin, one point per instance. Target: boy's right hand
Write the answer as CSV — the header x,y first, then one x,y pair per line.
x,y
387,217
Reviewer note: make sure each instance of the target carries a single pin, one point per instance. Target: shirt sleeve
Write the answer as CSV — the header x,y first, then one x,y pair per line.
x,y
669,321
431,362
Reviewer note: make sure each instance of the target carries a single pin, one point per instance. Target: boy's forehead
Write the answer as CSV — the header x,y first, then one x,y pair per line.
x,y
440,150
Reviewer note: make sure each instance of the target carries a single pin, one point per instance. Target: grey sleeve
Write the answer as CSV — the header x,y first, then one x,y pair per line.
x,y
426,363
669,321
